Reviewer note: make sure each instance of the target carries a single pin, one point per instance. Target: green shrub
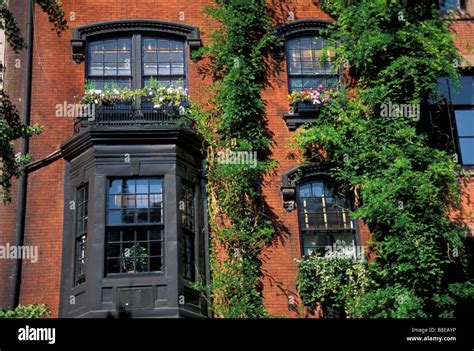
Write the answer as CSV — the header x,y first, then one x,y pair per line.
x,y
27,311
337,283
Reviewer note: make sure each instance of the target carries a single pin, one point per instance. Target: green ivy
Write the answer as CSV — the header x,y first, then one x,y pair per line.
x,y
11,129
336,283
234,121
402,174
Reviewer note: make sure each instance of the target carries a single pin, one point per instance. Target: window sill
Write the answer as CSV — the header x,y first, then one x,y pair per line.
x,y
295,120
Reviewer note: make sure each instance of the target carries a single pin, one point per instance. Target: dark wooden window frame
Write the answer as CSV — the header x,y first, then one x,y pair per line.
x,y
304,230
137,75
135,227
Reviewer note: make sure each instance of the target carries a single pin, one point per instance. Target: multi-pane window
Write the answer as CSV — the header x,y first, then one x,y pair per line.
x,y
110,63
324,218
307,68
164,61
188,230
132,62
82,198
135,225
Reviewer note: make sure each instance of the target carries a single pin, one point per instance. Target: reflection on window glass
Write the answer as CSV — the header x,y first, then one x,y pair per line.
x,y
324,218
457,95
465,132
134,250
307,68
135,225
109,63
163,59
446,5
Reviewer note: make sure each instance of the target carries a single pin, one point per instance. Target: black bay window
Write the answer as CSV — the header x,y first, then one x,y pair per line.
x,y
307,66
135,225
324,218
137,238
131,62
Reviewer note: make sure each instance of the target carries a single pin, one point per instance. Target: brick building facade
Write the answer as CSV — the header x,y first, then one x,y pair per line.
x,y
82,162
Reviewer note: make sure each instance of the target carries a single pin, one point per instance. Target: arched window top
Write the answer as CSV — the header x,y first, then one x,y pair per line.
x,y
301,27
92,31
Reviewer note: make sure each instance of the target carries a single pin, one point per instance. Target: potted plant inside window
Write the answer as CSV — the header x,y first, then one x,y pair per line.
x,y
135,259
309,100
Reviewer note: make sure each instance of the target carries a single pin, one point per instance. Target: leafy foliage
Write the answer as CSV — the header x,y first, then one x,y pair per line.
x,y
338,282
27,311
234,121
12,129
405,183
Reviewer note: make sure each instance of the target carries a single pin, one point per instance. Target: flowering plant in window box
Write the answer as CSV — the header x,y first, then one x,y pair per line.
x,y
166,97
159,95
309,100
108,96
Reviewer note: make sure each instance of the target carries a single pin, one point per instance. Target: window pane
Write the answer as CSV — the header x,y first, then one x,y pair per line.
x,y
446,5
109,58
96,69
463,95
131,203
318,188
150,69
135,253
162,57
305,60
319,211
156,185
114,217
465,122
467,150
115,186
129,186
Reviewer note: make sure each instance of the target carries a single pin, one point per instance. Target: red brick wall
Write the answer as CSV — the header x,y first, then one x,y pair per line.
x,y
58,79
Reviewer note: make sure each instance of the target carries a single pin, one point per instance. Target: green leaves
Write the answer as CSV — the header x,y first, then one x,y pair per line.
x,y
27,311
11,129
235,123
408,183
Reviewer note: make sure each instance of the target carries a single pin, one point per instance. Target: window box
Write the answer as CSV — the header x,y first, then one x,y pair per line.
x,y
306,107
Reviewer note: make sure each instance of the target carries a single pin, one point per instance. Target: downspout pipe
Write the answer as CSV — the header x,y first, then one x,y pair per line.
x,y
25,146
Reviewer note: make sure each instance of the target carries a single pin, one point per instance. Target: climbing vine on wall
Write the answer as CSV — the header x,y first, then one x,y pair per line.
x,y
399,166
234,122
